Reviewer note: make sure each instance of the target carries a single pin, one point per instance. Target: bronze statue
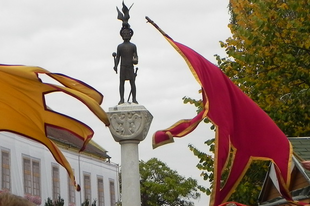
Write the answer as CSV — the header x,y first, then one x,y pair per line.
x,y
127,54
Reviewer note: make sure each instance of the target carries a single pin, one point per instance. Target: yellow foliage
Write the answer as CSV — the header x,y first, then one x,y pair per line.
x,y
270,46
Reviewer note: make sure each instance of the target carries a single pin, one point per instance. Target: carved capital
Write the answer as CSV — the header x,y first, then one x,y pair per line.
x,y
129,122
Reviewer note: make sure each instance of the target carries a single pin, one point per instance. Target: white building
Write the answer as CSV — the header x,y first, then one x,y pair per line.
x,y
29,169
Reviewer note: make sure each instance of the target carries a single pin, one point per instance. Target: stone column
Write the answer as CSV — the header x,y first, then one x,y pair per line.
x,y
130,124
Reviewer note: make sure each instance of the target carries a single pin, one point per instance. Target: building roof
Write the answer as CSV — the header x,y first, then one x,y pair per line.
x,y
301,147
70,141
299,190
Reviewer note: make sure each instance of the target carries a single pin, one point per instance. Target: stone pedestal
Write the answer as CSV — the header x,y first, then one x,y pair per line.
x,y
130,124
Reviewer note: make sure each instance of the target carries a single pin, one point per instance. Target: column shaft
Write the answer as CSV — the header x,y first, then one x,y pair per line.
x,y
130,173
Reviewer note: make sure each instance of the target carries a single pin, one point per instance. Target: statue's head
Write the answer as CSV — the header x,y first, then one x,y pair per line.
x,y
126,33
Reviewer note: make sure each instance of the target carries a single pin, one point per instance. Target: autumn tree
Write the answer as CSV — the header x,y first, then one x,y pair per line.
x,y
163,186
268,57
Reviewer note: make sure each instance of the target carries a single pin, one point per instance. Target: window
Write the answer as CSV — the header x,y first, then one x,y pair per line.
x,y
6,171
36,178
71,191
55,182
87,187
100,191
32,176
27,177
112,192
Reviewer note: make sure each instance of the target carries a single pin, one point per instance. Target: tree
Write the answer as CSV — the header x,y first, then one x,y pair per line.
x,y
58,202
163,186
268,58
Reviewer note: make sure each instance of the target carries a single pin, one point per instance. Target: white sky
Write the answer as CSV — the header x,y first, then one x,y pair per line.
x,y
77,38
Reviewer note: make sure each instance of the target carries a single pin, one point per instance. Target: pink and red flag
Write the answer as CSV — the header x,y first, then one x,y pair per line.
x,y
241,126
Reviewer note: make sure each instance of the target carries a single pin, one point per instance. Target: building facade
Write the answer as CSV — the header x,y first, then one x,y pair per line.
x,y
28,169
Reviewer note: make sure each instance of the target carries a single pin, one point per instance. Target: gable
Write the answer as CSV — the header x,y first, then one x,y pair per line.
x,y
300,178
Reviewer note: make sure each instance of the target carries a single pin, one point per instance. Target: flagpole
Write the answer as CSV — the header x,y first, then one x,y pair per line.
x,y
157,27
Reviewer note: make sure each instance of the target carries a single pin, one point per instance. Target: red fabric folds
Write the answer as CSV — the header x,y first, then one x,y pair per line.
x,y
241,125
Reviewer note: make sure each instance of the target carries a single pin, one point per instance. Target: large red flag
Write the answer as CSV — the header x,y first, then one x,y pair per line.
x,y
241,125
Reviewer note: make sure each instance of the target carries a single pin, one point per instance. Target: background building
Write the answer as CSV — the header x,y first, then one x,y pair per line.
x,y
29,169
300,178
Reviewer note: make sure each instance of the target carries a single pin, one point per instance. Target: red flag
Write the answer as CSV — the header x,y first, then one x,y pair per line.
x,y
241,125
232,204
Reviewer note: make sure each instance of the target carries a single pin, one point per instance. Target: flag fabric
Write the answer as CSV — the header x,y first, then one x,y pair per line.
x,y
241,126
23,109
231,204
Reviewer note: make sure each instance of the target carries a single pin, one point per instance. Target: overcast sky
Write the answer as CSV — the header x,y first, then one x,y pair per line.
x,y
77,38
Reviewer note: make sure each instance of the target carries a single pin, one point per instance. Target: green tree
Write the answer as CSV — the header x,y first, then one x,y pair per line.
x,y
57,202
268,58
163,186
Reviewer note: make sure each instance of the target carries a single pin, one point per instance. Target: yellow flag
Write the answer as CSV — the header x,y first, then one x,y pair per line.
x,y
23,110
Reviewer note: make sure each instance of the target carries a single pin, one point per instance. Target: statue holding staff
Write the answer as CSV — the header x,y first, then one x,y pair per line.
x,y
127,56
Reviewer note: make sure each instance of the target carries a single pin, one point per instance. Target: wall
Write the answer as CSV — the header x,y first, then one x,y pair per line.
x,y
19,147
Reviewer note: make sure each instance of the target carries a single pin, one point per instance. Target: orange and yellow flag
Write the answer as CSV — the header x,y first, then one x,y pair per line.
x,y
23,109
